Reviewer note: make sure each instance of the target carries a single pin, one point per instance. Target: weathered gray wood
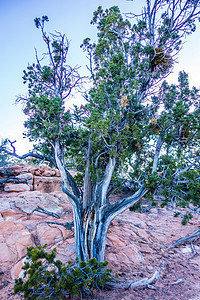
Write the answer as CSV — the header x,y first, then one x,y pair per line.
x,y
188,239
146,282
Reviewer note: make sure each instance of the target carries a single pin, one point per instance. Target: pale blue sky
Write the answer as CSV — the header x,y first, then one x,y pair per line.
x,y
19,38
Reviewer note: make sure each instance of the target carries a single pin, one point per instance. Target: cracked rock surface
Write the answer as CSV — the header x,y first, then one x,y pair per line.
x,y
136,244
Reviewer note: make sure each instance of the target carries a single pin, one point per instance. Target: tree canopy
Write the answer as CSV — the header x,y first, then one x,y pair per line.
x,y
132,120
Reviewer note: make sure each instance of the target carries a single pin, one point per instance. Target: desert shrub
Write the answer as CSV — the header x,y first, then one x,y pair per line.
x,y
136,207
47,278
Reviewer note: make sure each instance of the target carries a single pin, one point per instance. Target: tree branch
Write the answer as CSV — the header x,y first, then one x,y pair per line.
x,y
112,210
65,181
157,153
29,154
188,239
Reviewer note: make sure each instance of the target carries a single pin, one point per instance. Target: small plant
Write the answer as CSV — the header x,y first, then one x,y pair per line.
x,y
186,218
47,278
136,207
176,214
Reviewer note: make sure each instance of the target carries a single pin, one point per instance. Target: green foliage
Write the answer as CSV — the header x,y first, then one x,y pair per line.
x,y
176,214
47,278
186,218
136,207
117,129
130,120
40,22
4,160
50,82
151,181
79,179
178,125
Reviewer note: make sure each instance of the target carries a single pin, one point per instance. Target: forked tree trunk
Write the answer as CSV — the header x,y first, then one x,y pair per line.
x,y
90,231
91,226
92,212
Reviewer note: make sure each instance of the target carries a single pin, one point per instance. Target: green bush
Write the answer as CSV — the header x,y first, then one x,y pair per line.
x,y
136,207
186,218
47,278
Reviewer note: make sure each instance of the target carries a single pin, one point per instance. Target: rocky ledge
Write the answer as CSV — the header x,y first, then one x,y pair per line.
x,y
36,212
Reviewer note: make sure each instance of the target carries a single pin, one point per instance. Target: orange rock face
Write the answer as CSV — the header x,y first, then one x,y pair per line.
x,y
47,184
20,187
14,240
38,215
29,213
43,178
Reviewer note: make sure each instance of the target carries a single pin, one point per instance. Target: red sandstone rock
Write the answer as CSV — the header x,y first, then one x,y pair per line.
x,y
47,184
11,215
38,171
46,171
52,234
29,202
29,179
4,204
115,240
16,270
14,240
20,187
21,169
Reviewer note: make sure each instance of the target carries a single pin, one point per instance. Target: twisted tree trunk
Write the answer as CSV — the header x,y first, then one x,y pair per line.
x,y
91,226
92,211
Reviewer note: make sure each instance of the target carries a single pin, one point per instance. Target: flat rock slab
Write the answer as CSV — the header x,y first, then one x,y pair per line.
x,y
20,187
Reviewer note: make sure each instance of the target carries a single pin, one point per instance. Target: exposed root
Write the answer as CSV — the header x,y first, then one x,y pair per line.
x,y
67,225
146,282
44,211
194,252
188,239
177,281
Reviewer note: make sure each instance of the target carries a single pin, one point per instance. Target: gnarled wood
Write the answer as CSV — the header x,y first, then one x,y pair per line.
x,y
188,239
146,282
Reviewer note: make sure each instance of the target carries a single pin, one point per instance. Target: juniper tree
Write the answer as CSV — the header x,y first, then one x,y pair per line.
x,y
122,115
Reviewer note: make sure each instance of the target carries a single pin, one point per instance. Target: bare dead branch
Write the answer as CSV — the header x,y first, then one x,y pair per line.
x,y
26,155
67,225
188,239
44,211
146,282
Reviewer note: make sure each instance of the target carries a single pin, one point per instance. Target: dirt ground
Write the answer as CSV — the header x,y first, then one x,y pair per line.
x,y
179,273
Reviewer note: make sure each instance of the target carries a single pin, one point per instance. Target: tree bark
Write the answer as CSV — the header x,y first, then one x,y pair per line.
x,y
157,153
90,231
91,226
91,221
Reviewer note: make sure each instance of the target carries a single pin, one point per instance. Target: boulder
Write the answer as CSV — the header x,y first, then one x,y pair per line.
x,y
8,256
52,234
17,270
4,204
47,184
29,179
14,240
19,169
30,201
11,215
46,171
20,187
